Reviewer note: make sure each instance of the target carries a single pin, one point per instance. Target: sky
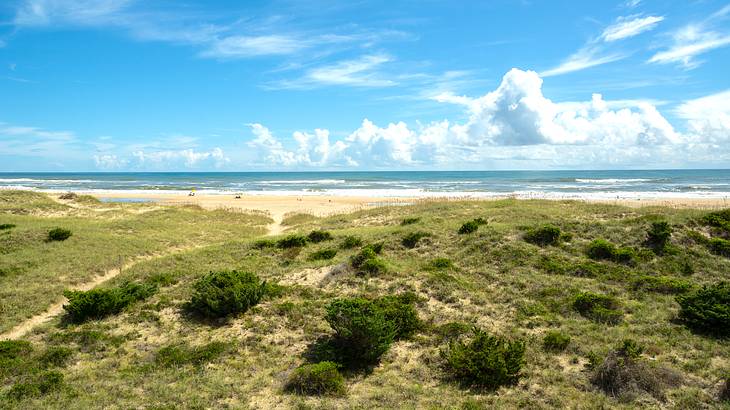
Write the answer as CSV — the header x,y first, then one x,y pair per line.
x,y
193,85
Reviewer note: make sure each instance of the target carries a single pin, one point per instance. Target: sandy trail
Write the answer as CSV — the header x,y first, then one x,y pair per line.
x,y
57,308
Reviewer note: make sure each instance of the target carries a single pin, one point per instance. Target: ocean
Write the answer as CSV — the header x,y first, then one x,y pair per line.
x,y
524,184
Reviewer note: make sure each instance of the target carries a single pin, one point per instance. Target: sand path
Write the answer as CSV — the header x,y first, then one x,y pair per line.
x,y
57,308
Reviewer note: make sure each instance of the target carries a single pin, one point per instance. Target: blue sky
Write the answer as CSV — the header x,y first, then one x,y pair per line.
x,y
125,85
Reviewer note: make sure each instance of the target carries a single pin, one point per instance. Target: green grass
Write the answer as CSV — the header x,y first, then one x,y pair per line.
x,y
154,354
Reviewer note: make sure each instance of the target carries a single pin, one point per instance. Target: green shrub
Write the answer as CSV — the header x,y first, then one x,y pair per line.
x,y
11,349
324,254
317,379
362,331
99,303
55,356
219,294
411,240
601,249
718,219
38,385
264,243
453,330
544,235
719,246
486,361
373,266
468,227
319,236
375,247
350,242
181,355
658,236
59,234
555,341
292,241
707,309
661,284
409,221
400,311
598,308
6,226
367,261
441,263
365,254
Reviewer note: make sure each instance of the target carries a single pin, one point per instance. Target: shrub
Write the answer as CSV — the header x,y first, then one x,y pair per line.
x,y
373,266
661,284
319,236
55,356
707,309
180,355
11,349
99,303
441,263
375,247
625,256
598,308
544,235
362,331
324,254
453,330
720,246
409,221
400,311
468,227
411,240
317,379
350,242
59,234
264,243
486,361
601,249
555,341
658,236
6,226
39,385
219,294
292,241
365,254
367,261
718,219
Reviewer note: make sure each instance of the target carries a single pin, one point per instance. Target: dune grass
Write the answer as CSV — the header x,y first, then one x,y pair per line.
x,y
495,281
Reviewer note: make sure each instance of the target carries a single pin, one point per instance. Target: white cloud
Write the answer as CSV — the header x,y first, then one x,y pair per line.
x,y
360,72
630,26
109,161
695,39
708,118
584,58
631,4
189,158
252,46
85,12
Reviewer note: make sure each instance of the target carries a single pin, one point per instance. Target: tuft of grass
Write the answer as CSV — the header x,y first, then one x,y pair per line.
x,y
178,355
292,241
368,262
598,308
410,221
99,303
350,241
544,235
59,234
319,236
661,284
264,244
440,263
37,386
411,239
318,379
601,249
471,226
555,341
324,254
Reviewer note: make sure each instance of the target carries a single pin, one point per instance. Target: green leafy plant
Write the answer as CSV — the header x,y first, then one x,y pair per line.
x,y
601,249
719,246
292,241
219,294
555,341
411,239
707,309
661,284
598,308
38,385
658,236
400,311
59,234
485,360
323,254
543,235
316,379
468,227
368,262
349,242
99,303
319,236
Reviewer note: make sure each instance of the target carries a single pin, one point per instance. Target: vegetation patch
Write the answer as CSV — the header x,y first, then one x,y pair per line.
x,y
350,242
292,241
484,361
471,226
36,385
658,236
719,246
411,239
601,249
410,221
224,293
4,227
319,236
544,235
707,309
367,262
181,355
318,379
598,308
99,303
661,284
324,254
264,244
718,219
440,264
59,234
555,341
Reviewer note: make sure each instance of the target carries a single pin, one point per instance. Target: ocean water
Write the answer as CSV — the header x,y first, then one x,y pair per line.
x,y
526,184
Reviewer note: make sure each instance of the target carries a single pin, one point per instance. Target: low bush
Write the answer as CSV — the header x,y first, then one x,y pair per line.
x,y
264,243
292,241
373,266
441,263
319,236
349,242
719,246
362,331
12,349
38,385
452,330
181,355
707,309
471,226
400,311
718,219
555,341
367,261
99,303
485,360
411,240
409,221
55,356
658,236
661,284
219,294
6,226
317,379
601,249
59,234
544,235
598,308
375,247
324,254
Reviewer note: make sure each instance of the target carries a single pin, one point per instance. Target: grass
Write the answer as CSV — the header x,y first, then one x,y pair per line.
x,y
496,281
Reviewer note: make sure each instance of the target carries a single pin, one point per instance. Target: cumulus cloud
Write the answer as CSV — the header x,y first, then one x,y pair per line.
x,y
708,118
109,161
